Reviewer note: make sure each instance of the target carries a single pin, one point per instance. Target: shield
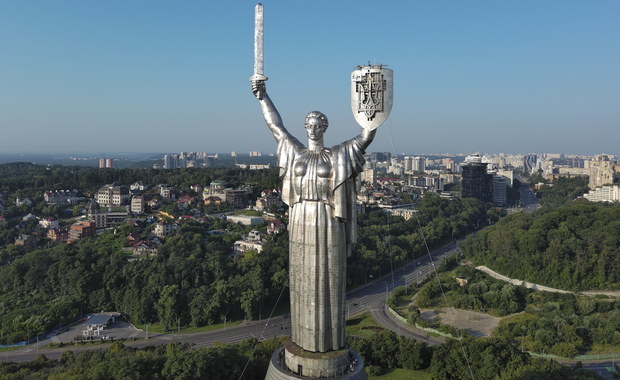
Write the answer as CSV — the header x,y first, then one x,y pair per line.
x,y
372,95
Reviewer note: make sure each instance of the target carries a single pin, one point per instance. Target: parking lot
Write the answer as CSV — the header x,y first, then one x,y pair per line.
x,y
119,329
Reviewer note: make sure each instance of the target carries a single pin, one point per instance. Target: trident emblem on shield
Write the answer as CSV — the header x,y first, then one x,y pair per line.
x,y
371,95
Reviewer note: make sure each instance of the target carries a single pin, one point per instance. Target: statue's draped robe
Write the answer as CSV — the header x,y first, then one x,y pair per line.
x,y
320,189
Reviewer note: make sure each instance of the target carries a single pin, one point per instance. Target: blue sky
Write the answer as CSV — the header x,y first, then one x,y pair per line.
x,y
168,76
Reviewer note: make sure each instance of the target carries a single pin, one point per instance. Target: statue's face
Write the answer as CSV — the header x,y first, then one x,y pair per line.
x,y
315,128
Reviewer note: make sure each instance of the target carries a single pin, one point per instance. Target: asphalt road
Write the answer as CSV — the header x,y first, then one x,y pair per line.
x,y
528,198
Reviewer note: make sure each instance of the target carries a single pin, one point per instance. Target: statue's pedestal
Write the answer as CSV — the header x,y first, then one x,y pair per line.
x,y
292,362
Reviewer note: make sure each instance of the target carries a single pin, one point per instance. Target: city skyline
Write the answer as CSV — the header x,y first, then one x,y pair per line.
x,y
155,77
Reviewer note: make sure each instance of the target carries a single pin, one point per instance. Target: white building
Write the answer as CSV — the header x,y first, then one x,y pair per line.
x,y
111,195
604,194
137,186
137,204
49,223
419,164
61,197
252,241
164,229
246,219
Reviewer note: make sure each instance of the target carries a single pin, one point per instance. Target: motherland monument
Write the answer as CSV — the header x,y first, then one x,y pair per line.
x,y
319,185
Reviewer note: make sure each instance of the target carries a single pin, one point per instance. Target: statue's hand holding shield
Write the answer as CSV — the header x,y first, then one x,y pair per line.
x,y
372,95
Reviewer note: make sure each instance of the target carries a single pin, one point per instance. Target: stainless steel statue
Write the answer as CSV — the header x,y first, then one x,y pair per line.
x,y
319,186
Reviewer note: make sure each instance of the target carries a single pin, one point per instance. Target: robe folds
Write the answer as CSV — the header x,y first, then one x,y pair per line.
x,y
320,188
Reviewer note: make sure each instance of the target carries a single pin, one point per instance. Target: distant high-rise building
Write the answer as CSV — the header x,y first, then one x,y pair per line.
x,y
601,171
476,182
530,163
408,163
170,161
380,156
448,163
419,164
500,190
106,163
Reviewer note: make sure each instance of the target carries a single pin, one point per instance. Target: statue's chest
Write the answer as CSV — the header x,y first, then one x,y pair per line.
x,y
313,173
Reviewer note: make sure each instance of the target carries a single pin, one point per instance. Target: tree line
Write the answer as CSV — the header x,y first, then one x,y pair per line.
x,y
573,247
480,359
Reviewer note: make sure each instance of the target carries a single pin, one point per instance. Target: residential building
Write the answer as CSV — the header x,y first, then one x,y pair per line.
x,y
408,164
268,200
164,229
252,241
49,223
419,164
57,234
601,171
137,204
213,200
113,195
406,212
23,202
217,187
106,163
61,197
144,248
81,230
604,194
275,227
29,217
25,240
167,192
137,186
238,199
171,161
369,174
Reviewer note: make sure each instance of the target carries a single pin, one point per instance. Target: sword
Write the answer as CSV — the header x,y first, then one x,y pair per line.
x,y
258,44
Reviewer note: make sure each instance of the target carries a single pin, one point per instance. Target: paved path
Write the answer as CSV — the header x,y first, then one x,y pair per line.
x,y
537,287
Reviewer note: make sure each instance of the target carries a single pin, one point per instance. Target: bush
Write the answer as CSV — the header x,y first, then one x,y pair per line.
x,y
374,370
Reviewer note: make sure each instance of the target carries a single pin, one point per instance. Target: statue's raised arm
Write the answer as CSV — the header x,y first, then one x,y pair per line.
x,y
270,113
365,137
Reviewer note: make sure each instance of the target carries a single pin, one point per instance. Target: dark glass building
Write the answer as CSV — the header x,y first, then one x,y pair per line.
x,y
476,183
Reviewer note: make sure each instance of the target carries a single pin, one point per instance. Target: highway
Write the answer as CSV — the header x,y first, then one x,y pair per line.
x,y
528,198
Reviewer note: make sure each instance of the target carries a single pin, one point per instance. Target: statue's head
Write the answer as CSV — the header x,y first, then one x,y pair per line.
x,y
316,124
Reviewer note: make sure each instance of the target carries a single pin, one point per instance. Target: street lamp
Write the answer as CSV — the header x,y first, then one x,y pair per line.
x,y
386,292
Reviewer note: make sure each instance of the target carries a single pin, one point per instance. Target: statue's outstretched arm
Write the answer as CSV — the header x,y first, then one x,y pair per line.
x,y
270,113
366,136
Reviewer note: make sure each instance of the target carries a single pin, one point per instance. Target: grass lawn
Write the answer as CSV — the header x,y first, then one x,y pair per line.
x,y
3,349
598,349
362,325
402,374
